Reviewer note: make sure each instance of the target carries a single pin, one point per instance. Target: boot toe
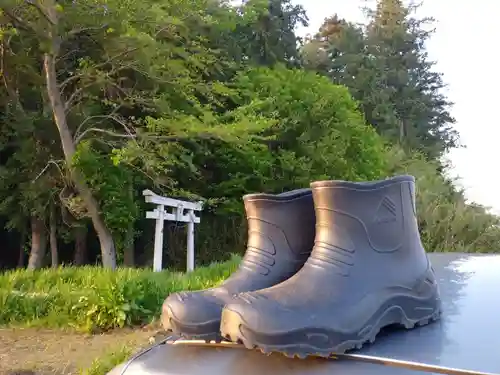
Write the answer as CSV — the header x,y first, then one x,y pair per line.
x,y
191,313
256,313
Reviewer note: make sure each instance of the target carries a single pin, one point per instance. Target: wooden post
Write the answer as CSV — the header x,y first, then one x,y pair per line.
x,y
190,242
158,249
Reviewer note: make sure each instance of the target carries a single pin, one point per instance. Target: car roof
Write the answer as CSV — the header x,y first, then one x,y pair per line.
x,y
466,338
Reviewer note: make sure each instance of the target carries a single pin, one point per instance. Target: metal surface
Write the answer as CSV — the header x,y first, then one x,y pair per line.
x,y
466,339
355,357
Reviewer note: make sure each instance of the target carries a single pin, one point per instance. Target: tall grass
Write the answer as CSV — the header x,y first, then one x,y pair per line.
x,y
92,298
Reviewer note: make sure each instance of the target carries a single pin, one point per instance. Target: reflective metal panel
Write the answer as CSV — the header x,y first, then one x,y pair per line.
x,y
467,337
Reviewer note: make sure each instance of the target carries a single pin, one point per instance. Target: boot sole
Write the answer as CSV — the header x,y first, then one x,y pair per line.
x,y
314,341
208,331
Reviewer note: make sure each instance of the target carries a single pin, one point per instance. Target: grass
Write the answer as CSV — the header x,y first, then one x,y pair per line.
x,y
58,352
109,360
93,299
48,315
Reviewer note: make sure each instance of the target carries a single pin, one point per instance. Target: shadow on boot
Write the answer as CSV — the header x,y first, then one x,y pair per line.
x,y
367,270
281,232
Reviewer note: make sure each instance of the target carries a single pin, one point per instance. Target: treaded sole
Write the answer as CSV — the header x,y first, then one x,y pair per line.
x,y
233,328
206,331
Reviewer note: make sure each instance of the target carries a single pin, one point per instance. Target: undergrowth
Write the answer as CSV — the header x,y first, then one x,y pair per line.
x,y
91,299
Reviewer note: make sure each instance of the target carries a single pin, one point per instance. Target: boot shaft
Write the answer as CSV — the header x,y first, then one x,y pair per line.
x,y
281,228
359,224
384,209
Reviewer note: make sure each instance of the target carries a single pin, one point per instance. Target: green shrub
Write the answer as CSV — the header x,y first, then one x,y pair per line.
x,y
448,223
320,132
91,298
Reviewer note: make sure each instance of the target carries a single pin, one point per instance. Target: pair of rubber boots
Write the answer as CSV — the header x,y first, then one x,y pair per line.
x,y
325,269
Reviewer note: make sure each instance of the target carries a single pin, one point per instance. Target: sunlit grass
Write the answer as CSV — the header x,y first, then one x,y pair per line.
x,y
108,361
94,298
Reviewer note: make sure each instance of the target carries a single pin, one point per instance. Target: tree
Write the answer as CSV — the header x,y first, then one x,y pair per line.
x,y
396,40
140,105
386,68
206,100
30,169
266,31
43,21
311,114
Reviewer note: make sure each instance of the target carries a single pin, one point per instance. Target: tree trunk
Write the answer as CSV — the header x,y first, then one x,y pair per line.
x,y
108,252
129,251
80,246
53,236
402,132
38,244
22,253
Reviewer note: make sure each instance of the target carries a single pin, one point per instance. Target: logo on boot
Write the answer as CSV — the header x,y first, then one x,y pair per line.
x,y
386,212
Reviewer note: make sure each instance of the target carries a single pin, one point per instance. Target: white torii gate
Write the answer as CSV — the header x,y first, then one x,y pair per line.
x,y
178,214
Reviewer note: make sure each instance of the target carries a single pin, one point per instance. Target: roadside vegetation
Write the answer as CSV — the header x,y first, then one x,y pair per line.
x,y
199,100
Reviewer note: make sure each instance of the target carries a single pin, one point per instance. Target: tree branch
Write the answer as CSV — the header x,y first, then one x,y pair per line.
x,y
64,57
108,132
103,117
75,77
40,10
205,136
19,22
45,168
84,29
128,131
74,95
6,76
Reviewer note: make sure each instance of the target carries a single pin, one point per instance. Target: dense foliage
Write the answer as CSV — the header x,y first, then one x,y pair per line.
x,y
208,100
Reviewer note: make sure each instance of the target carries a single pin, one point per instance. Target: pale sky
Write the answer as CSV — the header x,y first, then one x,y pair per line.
x,y
464,47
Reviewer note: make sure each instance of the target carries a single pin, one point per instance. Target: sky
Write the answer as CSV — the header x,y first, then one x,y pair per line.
x,y
464,49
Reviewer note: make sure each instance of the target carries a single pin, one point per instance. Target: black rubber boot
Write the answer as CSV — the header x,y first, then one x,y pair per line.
x,y
281,232
367,270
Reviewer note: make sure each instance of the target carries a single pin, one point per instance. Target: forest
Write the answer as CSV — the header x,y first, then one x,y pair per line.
x,y
209,100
